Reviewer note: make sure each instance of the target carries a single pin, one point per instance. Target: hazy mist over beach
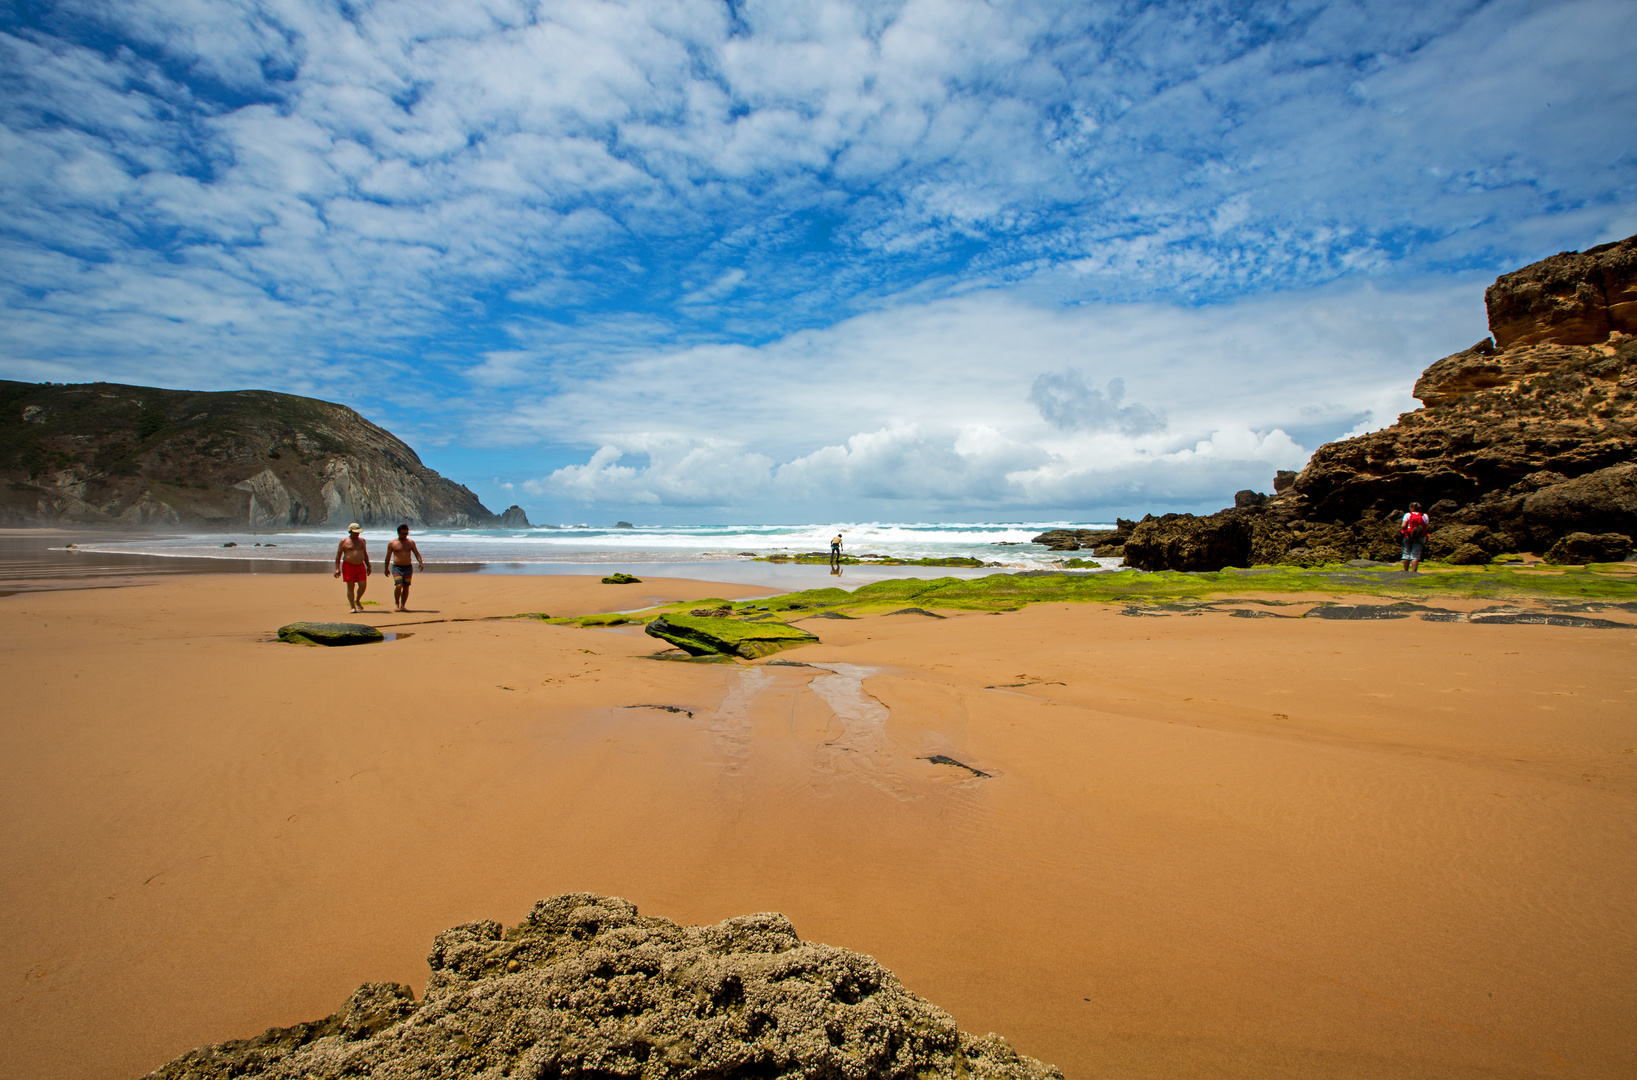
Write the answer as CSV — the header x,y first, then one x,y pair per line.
x,y
707,262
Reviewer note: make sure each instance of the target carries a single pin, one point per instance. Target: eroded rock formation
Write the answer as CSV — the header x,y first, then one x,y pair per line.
x,y
586,987
1522,441
136,456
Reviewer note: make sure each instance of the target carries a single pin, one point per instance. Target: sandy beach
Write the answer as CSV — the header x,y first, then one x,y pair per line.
x,y
1205,847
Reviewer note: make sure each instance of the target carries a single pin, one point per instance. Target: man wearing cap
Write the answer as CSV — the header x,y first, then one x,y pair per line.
x,y
352,566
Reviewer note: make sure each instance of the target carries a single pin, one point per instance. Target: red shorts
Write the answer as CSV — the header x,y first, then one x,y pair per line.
x,y
354,571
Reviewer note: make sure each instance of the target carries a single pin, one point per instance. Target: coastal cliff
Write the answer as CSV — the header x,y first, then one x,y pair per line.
x,y
585,987
1524,440
103,454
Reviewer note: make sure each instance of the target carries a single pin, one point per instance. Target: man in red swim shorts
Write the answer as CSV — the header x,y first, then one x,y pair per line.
x,y
352,566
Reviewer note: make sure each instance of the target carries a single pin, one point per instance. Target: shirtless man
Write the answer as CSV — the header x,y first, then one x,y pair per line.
x,y
398,553
352,566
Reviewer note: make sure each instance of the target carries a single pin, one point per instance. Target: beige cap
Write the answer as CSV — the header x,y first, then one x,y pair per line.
x,y
355,527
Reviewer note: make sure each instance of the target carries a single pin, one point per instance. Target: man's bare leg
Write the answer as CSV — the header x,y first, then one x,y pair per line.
x,y
352,596
400,592
362,585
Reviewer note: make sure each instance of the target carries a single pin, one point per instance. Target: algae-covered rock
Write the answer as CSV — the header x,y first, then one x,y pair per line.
x,y
330,633
619,578
584,986
701,636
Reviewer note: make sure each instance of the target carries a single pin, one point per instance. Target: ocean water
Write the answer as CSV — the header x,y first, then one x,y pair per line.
x,y
718,552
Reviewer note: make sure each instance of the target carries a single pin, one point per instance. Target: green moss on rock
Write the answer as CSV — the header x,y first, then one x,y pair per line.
x,y
701,636
329,633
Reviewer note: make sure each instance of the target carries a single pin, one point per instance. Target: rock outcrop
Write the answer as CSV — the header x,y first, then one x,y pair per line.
x,y
706,636
1579,547
1186,542
513,518
585,987
1096,541
115,456
1523,440
1575,298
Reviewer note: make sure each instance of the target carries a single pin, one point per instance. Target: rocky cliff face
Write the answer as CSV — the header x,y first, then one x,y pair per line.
x,y
1524,440
585,987
132,456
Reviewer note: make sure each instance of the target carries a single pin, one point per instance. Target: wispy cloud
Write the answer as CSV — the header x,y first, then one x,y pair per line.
x,y
510,201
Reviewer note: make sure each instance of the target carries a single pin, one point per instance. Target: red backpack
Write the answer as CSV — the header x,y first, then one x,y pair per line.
x,y
1415,526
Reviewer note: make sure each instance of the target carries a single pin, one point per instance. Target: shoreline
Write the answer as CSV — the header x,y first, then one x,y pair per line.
x,y
1204,846
31,562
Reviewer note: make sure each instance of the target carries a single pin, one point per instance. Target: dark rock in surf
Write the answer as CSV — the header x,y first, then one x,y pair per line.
x,y
513,518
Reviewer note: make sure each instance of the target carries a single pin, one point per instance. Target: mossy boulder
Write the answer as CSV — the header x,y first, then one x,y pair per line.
x,y
621,579
702,636
330,633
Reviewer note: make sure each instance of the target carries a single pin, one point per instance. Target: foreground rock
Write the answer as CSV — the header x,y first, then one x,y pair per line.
x,y
1524,440
705,636
330,633
586,987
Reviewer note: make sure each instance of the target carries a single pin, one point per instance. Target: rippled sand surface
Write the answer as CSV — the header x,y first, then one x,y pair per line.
x,y
1202,846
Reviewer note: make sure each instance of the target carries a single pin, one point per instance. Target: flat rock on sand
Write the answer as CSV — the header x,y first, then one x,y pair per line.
x,y
330,633
703,635
585,986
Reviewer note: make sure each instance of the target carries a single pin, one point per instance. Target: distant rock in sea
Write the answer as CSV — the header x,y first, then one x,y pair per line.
x,y
113,456
513,518
586,987
1524,439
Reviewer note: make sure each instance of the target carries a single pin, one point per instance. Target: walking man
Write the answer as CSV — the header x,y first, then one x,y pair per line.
x,y
352,566
835,550
398,553
1414,531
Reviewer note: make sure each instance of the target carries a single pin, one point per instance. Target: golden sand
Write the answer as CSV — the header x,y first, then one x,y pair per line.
x,y
1207,846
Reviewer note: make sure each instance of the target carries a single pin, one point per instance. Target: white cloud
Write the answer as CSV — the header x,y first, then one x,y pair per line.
x,y
934,404
649,224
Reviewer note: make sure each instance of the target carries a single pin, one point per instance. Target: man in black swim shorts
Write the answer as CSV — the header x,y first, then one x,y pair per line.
x,y
398,555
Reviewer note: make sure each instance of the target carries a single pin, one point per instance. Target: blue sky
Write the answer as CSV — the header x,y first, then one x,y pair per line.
x,y
695,262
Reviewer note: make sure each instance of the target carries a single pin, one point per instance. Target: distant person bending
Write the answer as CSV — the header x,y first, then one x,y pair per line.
x,y
835,550
352,566
1414,530
398,553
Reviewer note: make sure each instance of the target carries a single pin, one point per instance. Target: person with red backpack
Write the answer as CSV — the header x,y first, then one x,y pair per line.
x,y
1414,531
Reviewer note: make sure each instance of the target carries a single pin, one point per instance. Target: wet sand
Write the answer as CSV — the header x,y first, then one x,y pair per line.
x,y
1206,846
